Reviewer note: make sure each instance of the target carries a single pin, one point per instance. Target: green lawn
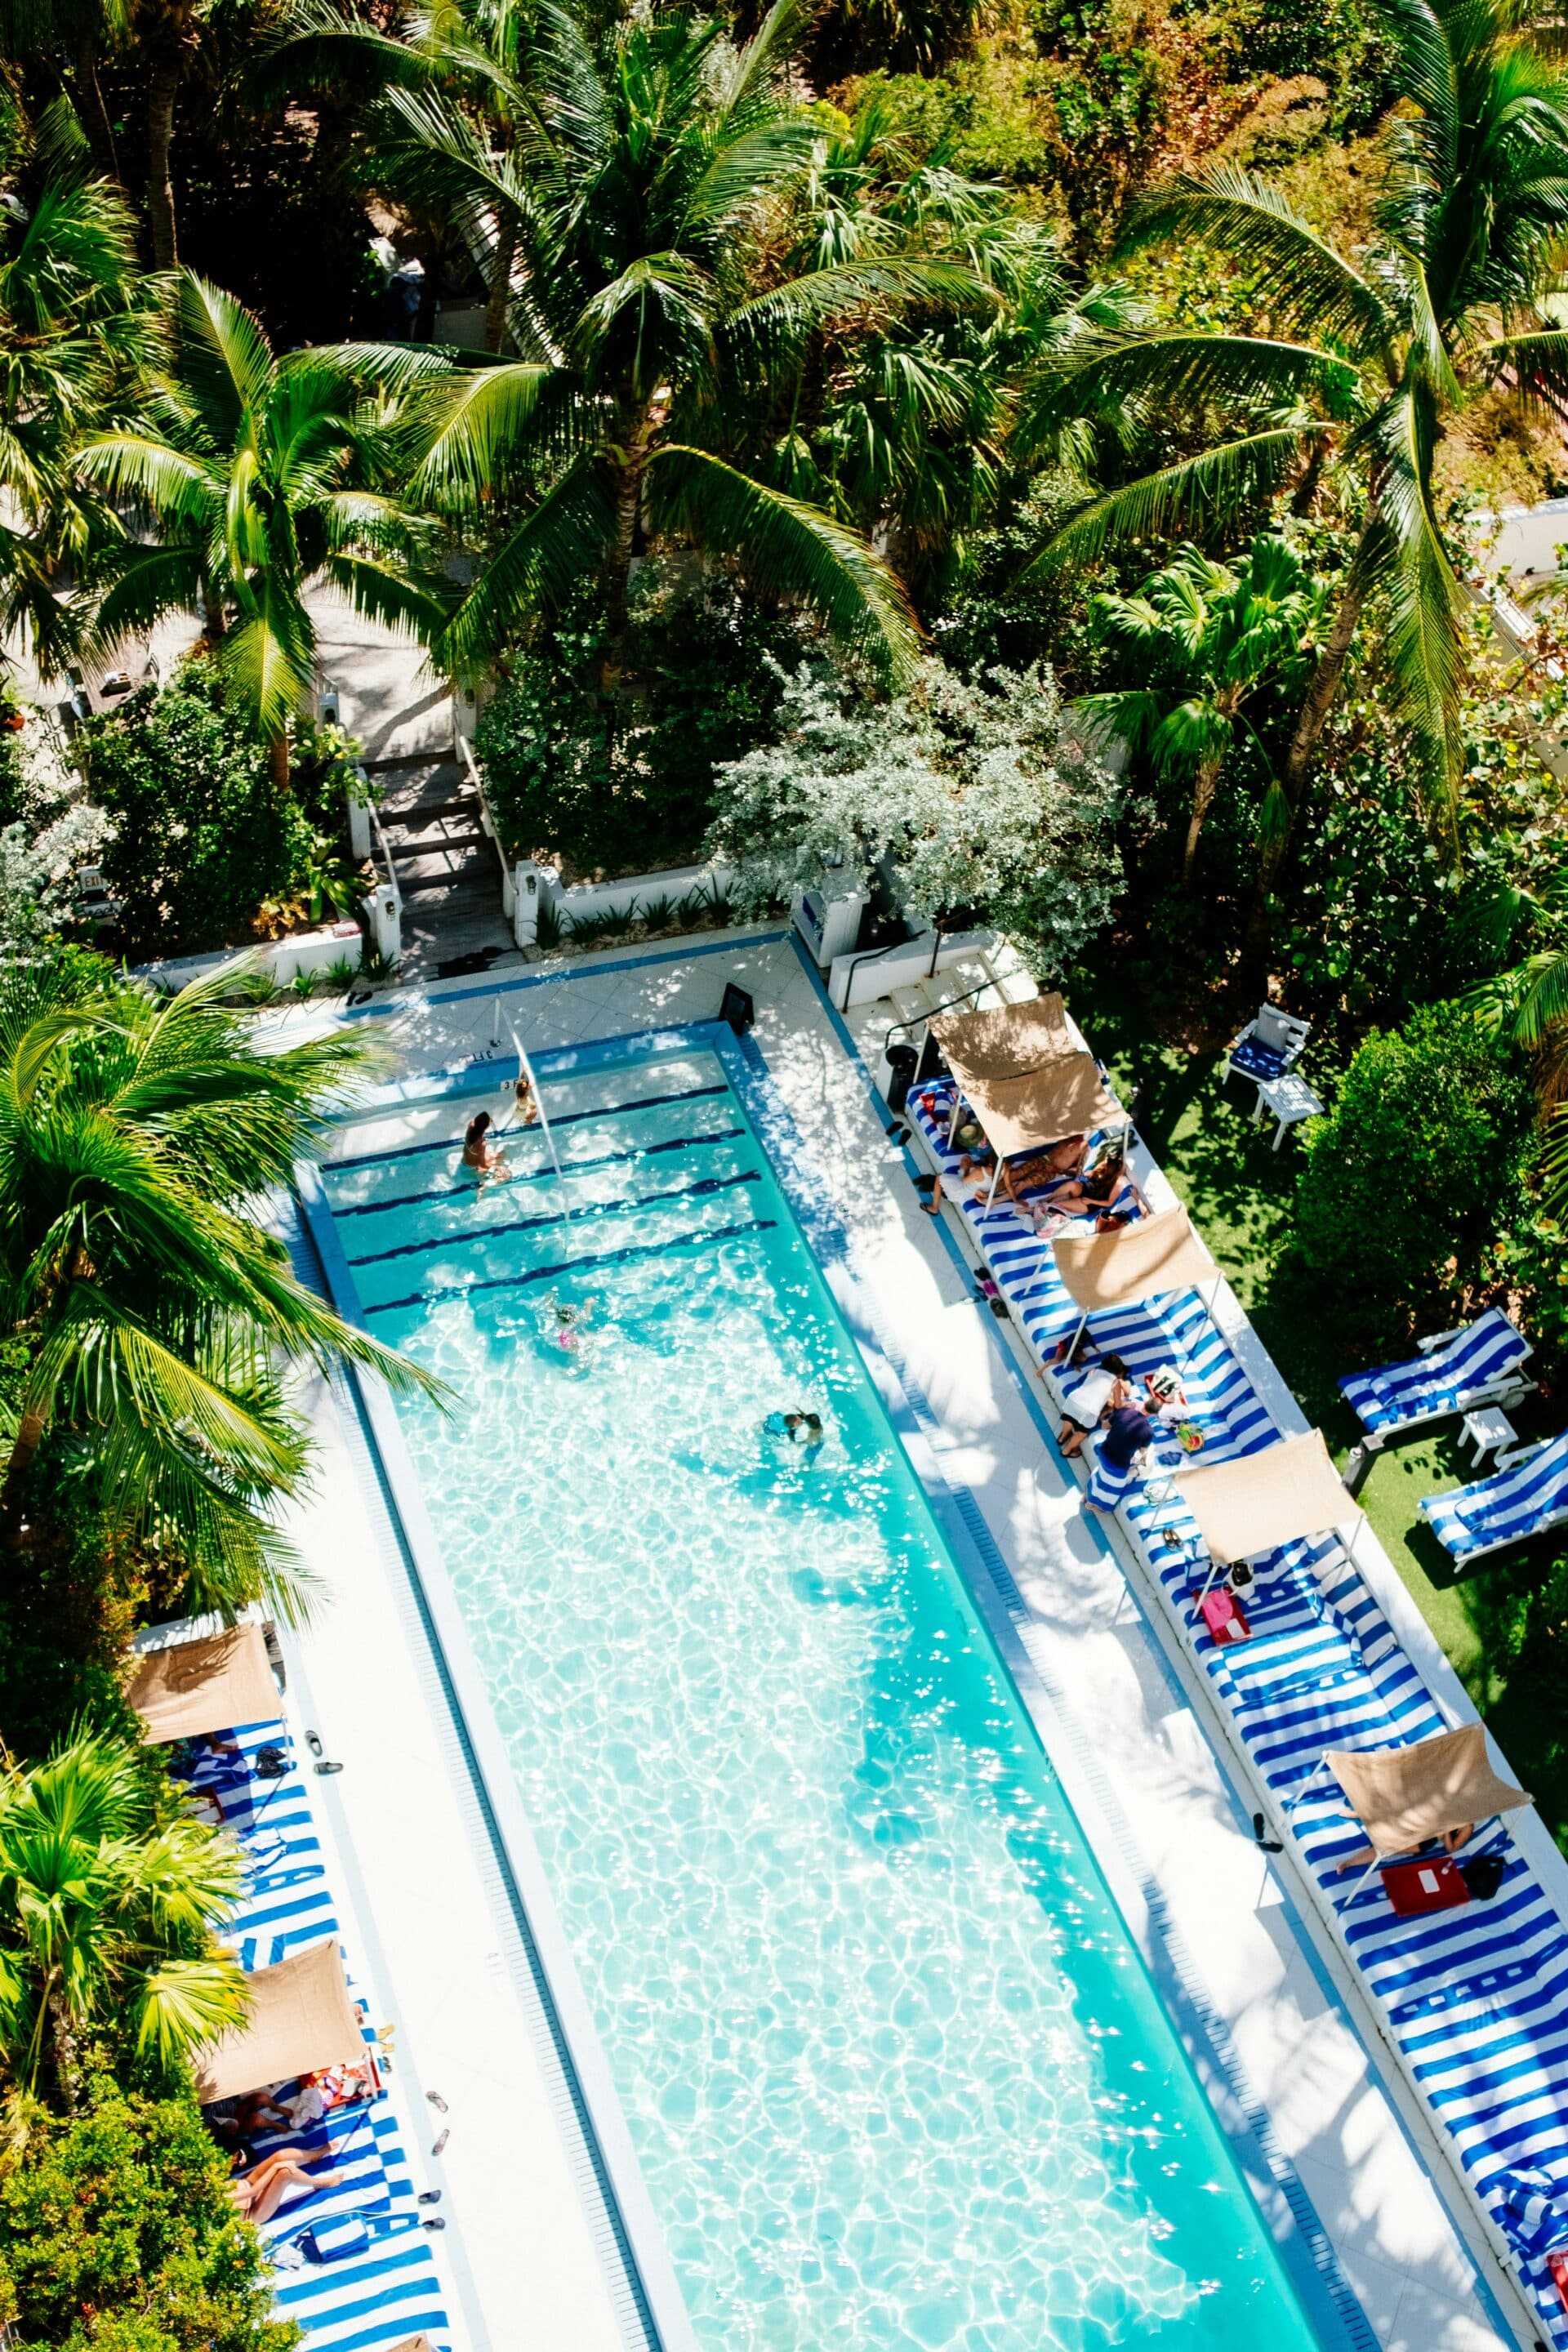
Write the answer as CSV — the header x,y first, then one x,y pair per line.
x,y
1499,1627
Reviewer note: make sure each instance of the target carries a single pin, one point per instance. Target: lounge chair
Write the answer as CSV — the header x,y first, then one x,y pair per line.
x,y
1455,1371
1270,1044
1524,1498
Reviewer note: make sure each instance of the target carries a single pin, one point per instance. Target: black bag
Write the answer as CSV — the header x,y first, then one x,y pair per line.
x,y
1483,1875
271,1763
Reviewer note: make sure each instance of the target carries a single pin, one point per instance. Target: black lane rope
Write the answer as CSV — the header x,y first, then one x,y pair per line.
x,y
566,1118
565,1265
545,1175
558,1217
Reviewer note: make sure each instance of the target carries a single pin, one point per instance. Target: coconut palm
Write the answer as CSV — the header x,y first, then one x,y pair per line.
x,y
262,478
656,313
150,1306
107,1917
1368,359
1210,638
76,334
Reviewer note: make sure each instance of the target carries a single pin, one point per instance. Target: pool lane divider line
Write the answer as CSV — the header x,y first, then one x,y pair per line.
x,y
543,1174
614,2196
570,1264
557,1118
589,1215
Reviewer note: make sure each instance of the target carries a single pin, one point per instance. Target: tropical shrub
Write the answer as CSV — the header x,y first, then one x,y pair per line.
x,y
1406,1181
49,829
973,789
629,789
202,834
117,2235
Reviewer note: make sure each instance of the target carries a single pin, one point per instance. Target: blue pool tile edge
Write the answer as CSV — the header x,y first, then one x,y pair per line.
x,y
1301,2241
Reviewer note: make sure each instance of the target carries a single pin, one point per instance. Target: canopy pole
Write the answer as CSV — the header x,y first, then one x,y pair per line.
x,y
1082,1327
996,1180
1319,1769
525,1070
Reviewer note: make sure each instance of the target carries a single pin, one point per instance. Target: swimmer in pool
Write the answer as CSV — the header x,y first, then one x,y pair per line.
x,y
527,1107
800,1428
485,1157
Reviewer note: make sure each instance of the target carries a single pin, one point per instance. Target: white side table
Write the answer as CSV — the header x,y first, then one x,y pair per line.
x,y
1290,1098
1488,1431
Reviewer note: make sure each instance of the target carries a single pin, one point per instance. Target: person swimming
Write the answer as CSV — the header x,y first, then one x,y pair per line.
x,y
800,1428
485,1157
563,1326
526,1102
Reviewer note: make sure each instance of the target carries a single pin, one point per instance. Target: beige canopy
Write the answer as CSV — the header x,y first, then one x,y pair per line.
x,y
1250,1506
300,2019
210,1685
1005,1040
1064,1096
1403,1796
1144,1260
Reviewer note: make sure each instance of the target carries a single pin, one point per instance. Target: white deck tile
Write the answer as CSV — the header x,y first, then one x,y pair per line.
x,y
511,2195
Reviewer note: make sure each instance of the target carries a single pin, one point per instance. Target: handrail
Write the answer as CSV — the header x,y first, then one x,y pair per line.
x,y
941,1008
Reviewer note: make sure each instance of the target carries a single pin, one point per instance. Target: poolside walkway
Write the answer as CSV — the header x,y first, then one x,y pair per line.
x,y
520,2196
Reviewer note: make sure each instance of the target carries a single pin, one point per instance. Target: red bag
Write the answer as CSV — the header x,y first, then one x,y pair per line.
x,y
1223,1615
1557,2263
1417,1886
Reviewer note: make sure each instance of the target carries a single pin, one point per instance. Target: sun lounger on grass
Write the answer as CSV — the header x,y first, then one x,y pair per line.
x,y
1524,1498
1454,1372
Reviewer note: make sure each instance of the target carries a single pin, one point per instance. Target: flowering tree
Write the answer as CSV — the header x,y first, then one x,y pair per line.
x,y
974,789
49,829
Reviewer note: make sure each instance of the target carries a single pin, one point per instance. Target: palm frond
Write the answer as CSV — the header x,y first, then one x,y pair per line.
x,y
1195,492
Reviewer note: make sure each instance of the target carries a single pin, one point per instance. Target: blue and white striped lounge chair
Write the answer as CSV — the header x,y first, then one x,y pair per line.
x,y
387,2288
1454,1372
1270,1044
1523,1499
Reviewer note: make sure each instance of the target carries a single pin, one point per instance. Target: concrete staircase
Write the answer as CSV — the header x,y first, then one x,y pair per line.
x,y
446,869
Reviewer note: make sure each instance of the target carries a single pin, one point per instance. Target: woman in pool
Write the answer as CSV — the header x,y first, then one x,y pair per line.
x,y
526,1106
485,1157
799,1428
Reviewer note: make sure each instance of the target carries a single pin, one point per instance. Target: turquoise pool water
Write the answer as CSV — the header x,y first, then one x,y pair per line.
x,y
894,2071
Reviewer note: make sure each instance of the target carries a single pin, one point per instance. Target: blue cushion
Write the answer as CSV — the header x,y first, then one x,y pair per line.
x,y
1257,1061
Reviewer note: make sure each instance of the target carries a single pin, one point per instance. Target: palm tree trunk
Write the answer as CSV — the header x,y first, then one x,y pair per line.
x,y
277,761
623,546
13,1488
500,281
93,112
1310,721
167,73
1204,784
67,2055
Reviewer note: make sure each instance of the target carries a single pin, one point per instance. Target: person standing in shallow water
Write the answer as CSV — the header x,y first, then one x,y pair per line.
x,y
485,1157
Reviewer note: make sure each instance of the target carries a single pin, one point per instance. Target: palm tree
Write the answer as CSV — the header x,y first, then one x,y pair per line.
x,y
262,477
150,1306
1220,637
1527,1005
1370,360
107,1916
655,314
75,335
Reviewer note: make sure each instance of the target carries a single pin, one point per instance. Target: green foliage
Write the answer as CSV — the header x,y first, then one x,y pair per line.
x,y
117,2235
1408,1179
625,785
204,835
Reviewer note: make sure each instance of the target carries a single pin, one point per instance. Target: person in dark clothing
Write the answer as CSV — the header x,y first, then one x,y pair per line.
x,y
1127,1432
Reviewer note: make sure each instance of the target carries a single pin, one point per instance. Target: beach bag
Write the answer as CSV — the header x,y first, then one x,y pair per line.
x,y
1223,1615
1416,1887
336,2242
271,1763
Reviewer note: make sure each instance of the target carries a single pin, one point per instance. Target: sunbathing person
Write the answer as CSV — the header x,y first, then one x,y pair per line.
x,y
1099,1187
1046,1165
258,2193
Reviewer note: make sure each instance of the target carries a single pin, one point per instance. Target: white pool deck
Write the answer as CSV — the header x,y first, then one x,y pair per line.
x,y
522,2243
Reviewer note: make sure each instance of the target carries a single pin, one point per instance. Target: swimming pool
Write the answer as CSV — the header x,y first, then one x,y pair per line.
x,y
892,2064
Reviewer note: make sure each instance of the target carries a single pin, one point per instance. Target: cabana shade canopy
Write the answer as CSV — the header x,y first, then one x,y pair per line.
x,y
301,2019
1004,1041
1261,1500
1403,1796
1144,1260
210,1685
1064,1096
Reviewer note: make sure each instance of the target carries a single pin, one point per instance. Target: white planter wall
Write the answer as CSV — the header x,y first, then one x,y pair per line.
x,y
311,951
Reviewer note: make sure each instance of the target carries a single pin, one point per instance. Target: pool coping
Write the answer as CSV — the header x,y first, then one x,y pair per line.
x,y
1302,2244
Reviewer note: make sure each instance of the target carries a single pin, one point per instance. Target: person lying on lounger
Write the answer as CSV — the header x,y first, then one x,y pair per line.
x,y
258,2193
1099,1187
1450,1842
